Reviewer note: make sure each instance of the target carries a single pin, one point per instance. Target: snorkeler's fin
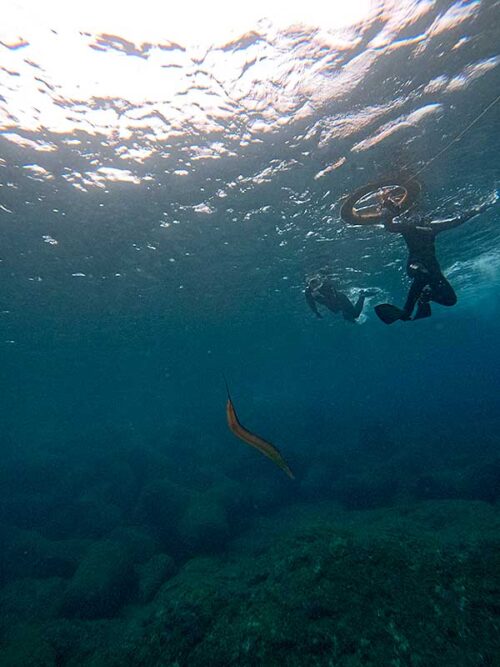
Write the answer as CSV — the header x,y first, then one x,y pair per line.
x,y
423,310
389,313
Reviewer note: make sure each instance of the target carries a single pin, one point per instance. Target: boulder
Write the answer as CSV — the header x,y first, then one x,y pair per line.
x,y
152,575
27,647
139,543
28,554
103,581
24,600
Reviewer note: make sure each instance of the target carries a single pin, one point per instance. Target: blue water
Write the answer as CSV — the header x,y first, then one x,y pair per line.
x,y
127,295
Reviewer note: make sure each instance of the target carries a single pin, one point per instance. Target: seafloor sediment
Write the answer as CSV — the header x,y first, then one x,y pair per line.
x,y
416,584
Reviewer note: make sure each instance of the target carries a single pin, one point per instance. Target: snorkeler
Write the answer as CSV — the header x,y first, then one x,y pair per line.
x,y
429,283
320,289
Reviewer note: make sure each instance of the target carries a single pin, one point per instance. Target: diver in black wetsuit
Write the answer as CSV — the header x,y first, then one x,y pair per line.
x,y
320,289
429,283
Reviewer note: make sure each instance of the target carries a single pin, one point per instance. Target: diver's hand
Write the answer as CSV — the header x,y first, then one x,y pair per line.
x,y
485,205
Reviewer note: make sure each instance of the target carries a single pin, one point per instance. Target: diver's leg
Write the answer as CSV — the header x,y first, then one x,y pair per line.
x,y
442,292
389,313
358,306
423,305
414,293
332,303
421,275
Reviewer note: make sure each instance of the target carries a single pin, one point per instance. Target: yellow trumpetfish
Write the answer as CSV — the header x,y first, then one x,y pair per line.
x,y
254,440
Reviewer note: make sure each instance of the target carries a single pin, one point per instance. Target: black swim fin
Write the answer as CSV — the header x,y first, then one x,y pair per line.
x,y
389,313
423,310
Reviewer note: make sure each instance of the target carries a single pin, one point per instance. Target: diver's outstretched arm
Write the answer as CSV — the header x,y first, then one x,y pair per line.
x,y
450,223
388,213
312,303
395,227
438,226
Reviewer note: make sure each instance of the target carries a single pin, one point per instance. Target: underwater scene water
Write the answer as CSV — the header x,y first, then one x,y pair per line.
x,y
171,185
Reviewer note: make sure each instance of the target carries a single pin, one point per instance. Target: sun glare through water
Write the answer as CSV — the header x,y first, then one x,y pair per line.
x,y
112,52
160,92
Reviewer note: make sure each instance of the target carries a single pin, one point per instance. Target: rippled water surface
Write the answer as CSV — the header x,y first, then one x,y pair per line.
x,y
168,180
133,170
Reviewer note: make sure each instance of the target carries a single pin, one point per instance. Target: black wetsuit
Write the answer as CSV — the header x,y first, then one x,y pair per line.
x,y
326,295
429,283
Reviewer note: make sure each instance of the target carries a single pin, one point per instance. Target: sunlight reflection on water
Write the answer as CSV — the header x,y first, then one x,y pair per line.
x,y
191,127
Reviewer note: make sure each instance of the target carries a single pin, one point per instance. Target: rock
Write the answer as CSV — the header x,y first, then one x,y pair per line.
x,y
139,543
78,642
152,575
27,647
103,581
29,599
333,592
30,555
